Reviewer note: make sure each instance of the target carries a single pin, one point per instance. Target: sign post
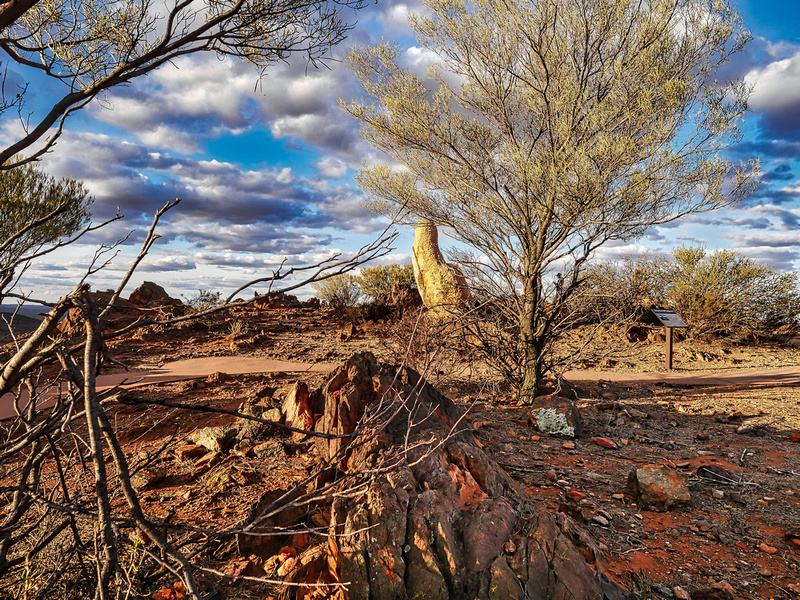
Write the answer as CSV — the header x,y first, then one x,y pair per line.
x,y
671,320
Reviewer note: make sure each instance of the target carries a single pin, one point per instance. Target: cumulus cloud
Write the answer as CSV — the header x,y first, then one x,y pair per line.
x,y
776,96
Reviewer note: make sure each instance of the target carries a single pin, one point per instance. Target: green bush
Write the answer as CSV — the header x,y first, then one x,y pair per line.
x,y
718,293
380,279
725,293
340,291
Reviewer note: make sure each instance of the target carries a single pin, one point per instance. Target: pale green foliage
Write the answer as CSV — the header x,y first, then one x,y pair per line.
x,y
380,279
723,292
717,293
341,291
29,195
547,129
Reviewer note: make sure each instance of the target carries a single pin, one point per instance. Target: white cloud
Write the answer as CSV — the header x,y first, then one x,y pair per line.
x,y
776,95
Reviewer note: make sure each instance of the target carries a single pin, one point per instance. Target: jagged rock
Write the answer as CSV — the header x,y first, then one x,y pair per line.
x,y
152,293
148,477
658,488
555,415
216,439
442,287
296,411
438,522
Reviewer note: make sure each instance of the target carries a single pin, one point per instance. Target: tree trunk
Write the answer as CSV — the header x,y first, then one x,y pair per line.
x,y
533,345
438,518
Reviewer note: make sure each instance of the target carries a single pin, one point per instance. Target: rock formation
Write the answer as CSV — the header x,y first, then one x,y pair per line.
x,y
149,293
442,287
437,517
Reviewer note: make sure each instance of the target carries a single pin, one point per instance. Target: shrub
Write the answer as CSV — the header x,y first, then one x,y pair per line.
x,y
614,291
717,293
380,279
203,300
341,291
725,293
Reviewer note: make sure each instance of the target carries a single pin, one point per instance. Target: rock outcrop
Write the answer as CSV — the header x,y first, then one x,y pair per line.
x,y
438,518
442,287
152,293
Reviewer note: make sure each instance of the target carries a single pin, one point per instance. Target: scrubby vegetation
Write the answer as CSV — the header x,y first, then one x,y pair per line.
x,y
339,292
346,291
380,279
719,293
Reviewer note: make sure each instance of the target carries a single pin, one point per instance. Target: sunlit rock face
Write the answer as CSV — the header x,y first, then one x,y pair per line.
x,y
442,287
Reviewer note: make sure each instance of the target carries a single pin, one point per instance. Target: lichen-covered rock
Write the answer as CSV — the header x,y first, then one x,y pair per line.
x,y
442,287
555,415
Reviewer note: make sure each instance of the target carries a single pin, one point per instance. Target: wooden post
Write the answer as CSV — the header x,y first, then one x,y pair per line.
x,y
669,348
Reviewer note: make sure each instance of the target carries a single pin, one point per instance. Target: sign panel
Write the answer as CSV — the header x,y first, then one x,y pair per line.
x,y
669,318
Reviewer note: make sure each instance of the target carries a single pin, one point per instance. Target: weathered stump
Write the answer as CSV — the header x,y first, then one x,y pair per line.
x,y
439,519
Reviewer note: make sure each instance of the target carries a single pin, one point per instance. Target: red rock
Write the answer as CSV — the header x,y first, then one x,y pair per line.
x,y
605,442
795,437
190,451
555,415
768,549
575,495
658,487
150,292
296,411
287,566
176,592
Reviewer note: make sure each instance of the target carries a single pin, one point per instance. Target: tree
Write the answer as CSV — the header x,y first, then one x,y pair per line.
x,y
380,279
94,45
341,291
38,211
550,127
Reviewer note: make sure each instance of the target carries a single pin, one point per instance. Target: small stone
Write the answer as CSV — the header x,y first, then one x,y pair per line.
x,y
562,482
795,437
680,593
568,445
703,436
605,442
767,548
551,476
555,415
600,520
575,495
765,573
718,494
663,590
287,566
658,487
618,496
509,547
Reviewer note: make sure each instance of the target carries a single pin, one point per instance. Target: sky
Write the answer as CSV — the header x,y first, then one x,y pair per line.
x,y
265,168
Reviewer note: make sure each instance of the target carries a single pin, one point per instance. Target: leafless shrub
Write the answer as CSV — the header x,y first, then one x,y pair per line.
x,y
72,521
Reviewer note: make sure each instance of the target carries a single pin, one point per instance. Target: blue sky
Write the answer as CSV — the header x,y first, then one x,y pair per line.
x,y
266,170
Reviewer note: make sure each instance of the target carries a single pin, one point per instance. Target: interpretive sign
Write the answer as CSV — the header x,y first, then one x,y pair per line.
x,y
669,318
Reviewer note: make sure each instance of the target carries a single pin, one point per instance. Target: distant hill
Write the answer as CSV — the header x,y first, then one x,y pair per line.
x,y
19,323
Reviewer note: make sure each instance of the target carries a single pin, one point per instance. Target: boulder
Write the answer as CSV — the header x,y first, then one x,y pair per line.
x,y
658,488
151,293
556,415
442,287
